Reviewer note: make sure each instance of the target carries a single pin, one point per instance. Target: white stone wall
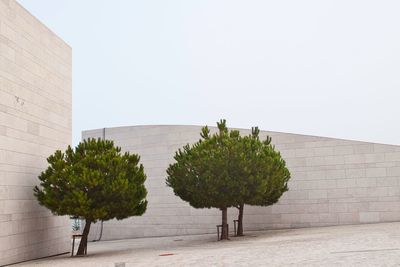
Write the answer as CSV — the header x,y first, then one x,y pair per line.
x,y
333,182
35,120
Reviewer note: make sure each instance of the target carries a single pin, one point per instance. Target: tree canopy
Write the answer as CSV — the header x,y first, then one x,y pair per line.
x,y
94,181
202,174
226,169
263,173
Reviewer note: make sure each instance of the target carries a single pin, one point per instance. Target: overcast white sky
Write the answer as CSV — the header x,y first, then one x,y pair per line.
x,y
329,68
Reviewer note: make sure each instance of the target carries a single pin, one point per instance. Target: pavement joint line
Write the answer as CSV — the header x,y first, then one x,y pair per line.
x,y
366,250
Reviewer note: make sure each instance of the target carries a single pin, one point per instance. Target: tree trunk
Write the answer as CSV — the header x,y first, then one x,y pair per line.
x,y
83,243
224,230
240,221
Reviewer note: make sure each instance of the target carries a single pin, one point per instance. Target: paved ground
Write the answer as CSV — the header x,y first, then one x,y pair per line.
x,y
354,245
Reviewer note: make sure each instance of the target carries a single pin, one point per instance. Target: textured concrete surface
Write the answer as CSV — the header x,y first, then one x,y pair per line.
x,y
333,182
35,120
351,245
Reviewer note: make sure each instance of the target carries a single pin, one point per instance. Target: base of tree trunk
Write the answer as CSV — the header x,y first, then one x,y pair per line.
x,y
240,221
83,244
225,229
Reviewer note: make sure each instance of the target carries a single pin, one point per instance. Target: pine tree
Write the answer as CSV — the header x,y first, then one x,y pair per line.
x,y
227,170
202,174
263,172
94,181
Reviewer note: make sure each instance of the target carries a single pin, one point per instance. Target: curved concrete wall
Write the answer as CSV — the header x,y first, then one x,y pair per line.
x,y
35,120
333,182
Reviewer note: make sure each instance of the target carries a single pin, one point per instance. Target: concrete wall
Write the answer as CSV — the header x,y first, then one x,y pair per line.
x,y
35,120
333,182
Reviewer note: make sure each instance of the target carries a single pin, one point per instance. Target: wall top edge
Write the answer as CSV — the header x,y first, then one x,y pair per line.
x,y
42,24
85,132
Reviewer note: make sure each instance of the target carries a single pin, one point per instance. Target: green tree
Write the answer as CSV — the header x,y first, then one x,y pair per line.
x,y
227,170
94,181
263,173
203,173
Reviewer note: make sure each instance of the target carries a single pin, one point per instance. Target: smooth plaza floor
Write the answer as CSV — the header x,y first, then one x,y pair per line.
x,y
351,245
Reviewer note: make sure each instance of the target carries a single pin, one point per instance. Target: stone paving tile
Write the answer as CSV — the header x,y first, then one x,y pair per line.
x,y
352,245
